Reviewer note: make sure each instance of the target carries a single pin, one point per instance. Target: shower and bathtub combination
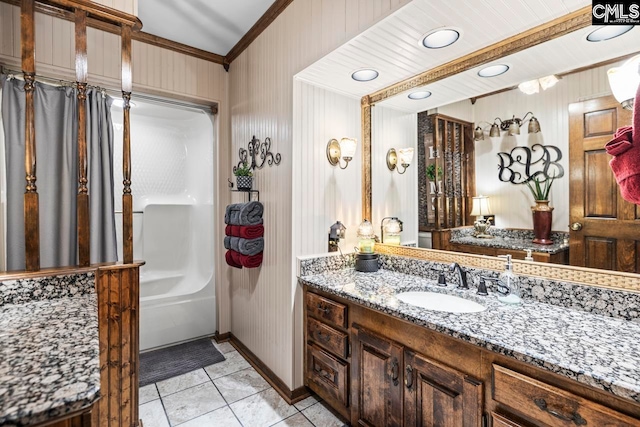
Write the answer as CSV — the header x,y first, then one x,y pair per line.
x,y
172,152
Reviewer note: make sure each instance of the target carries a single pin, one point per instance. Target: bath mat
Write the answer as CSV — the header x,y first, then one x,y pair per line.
x,y
169,362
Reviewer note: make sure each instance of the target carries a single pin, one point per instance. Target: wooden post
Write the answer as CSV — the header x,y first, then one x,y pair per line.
x,y
31,205
84,242
127,198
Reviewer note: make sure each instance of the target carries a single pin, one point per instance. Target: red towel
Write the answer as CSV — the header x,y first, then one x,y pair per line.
x,y
231,259
247,261
245,231
625,149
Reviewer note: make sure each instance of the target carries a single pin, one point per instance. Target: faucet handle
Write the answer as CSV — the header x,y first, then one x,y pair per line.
x,y
482,286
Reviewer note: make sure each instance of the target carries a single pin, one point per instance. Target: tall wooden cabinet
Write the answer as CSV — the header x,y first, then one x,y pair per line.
x,y
447,150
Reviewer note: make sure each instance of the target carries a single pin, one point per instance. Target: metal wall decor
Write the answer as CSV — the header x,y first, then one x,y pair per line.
x,y
523,164
255,150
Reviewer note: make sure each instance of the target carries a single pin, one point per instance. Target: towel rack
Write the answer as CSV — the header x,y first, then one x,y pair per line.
x,y
249,192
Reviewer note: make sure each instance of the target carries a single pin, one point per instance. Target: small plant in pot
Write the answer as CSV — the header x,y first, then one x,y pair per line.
x,y
542,212
244,177
431,176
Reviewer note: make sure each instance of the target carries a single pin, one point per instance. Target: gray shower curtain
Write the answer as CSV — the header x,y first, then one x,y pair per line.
x,y
57,173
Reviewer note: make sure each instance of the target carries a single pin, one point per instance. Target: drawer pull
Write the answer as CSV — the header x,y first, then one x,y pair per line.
x,y
325,374
394,371
325,310
323,337
408,378
575,417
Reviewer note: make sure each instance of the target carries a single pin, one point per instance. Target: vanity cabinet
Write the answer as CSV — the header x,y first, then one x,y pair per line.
x,y
378,370
327,351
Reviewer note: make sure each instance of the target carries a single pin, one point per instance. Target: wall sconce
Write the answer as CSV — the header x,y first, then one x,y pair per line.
x,y
336,232
624,81
404,156
344,149
479,209
390,232
494,132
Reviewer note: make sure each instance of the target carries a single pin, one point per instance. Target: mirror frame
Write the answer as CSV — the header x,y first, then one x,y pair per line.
x,y
558,27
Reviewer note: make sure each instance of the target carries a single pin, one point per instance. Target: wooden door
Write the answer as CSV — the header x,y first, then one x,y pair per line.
x,y
376,371
604,228
439,396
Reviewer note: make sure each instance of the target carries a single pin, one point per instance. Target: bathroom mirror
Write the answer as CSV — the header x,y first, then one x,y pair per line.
x,y
556,44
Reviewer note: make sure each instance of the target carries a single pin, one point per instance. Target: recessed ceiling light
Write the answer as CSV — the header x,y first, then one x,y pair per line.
x,y
493,70
365,75
608,32
420,94
441,38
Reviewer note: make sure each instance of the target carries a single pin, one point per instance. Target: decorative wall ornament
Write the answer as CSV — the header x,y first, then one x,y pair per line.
x,y
523,164
257,149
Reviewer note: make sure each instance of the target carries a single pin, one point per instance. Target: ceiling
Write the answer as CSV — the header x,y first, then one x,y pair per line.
x,y
211,25
393,48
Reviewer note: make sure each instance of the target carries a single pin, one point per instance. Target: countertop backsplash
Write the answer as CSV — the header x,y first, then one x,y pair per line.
x,y
604,301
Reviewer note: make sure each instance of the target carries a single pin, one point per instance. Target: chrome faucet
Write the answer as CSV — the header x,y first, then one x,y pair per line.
x,y
462,275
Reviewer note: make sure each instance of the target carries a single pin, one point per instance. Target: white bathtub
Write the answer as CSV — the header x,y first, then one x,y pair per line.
x,y
177,296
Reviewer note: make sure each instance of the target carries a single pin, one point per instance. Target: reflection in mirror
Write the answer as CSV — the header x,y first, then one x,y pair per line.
x,y
577,108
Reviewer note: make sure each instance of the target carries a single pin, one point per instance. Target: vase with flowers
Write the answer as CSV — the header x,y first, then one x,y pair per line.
x,y
244,177
542,212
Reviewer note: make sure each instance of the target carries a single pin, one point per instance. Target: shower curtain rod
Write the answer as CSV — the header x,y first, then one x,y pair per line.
x,y
117,94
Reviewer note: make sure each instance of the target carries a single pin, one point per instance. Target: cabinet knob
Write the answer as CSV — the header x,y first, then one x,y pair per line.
x,y
576,226
408,378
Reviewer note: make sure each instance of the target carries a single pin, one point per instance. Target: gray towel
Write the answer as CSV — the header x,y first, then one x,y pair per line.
x,y
248,247
244,213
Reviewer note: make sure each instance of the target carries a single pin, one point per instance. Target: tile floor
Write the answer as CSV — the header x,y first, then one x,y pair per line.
x,y
227,394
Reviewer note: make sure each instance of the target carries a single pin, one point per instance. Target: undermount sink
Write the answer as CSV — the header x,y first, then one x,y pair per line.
x,y
440,302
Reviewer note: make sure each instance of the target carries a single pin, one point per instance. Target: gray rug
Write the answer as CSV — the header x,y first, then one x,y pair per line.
x,y
169,362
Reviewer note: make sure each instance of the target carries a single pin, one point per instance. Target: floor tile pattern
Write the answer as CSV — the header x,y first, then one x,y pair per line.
x,y
227,394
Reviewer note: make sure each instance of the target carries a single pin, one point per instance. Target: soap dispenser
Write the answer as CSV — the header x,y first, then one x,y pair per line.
x,y
508,284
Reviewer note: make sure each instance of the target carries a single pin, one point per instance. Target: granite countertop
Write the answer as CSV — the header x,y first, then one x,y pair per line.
x,y
49,356
511,243
596,350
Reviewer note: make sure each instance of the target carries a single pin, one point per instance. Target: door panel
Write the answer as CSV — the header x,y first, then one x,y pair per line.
x,y
610,231
436,395
376,366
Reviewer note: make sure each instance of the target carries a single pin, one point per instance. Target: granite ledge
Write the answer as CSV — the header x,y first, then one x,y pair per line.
x,y
49,360
595,350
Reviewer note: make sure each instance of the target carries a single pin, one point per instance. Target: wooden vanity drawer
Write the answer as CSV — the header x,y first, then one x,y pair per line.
x,y
328,372
551,405
330,311
325,336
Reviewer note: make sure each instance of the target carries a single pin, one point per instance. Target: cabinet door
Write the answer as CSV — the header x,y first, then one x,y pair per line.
x,y
376,371
436,395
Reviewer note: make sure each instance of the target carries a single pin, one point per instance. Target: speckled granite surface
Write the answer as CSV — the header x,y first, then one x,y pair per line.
x,y
600,351
49,348
504,238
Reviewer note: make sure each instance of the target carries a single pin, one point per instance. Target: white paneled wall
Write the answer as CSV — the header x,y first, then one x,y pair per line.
x,y
266,302
393,194
511,203
323,194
